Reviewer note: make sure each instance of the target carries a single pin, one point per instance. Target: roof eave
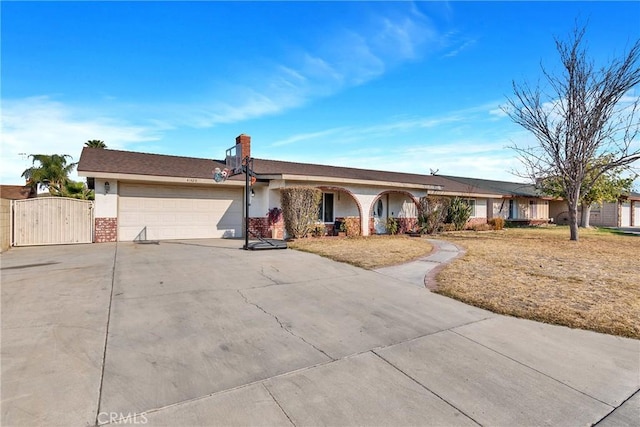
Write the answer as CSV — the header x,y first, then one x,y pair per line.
x,y
157,178
336,180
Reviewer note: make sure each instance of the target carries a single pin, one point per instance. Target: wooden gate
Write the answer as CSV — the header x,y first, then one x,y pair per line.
x,y
52,221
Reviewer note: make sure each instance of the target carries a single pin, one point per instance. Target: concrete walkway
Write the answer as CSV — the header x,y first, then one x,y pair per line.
x,y
200,333
422,272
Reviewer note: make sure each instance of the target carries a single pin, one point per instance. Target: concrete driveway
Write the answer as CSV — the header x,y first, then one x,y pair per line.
x,y
202,333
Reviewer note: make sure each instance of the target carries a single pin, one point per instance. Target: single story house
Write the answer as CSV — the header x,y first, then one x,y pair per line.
x,y
623,213
141,196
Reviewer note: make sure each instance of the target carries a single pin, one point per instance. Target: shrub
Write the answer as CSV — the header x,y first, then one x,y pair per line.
x,y
482,227
448,227
319,230
300,209
497,223
392,225
432,211
274,215
352,226
459,213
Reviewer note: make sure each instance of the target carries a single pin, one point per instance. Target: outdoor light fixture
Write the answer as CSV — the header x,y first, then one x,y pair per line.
x,y
107,187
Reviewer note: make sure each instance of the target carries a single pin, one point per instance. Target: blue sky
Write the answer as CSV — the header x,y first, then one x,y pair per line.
x,y
403,86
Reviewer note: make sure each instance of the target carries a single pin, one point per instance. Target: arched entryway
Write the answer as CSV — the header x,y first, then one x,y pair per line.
x,y
338,203
398,204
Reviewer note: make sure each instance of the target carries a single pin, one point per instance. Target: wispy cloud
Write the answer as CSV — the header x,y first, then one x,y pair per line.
x,y
345,57
41,125
464,142
394,128
459,48
305,137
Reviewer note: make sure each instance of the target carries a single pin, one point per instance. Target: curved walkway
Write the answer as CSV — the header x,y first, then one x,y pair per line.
x,y
422,272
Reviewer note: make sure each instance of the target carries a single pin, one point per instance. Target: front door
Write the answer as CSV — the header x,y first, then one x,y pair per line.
x,y
380,217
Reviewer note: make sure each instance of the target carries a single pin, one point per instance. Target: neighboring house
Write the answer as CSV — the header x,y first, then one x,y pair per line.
x,y
623,213
17,192
8,193
151,196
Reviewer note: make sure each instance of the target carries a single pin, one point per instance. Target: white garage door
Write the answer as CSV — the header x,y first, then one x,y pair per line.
x,y
178,212
625,220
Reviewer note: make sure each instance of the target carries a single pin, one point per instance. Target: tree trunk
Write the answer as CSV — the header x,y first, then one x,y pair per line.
x,y
573,220
586,215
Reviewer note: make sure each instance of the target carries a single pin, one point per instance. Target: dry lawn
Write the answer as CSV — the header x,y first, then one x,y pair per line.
x,y
366,252
537,273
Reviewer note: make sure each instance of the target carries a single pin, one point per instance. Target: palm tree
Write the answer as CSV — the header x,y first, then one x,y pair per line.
x,y
72,189
95,143
53,170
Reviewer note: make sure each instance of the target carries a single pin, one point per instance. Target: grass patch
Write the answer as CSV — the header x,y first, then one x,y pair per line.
x,y
367,252
538,274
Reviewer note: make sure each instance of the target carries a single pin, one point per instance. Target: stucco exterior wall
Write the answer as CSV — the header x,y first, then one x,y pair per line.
x,y
106,204
401,206
481,209
5,224
259,202
556,209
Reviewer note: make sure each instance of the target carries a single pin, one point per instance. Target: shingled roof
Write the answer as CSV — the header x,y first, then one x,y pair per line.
x,y
501,187
96,160
133,163
16,192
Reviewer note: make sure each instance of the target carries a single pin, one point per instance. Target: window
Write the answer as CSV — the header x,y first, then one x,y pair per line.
x,y
326,208
472,204
379,209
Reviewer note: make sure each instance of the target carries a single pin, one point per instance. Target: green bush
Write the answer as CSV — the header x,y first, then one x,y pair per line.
x,y
497,223
392,225
459,213
300,209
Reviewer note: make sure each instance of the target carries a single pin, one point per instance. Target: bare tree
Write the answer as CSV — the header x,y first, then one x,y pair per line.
x,y
589,113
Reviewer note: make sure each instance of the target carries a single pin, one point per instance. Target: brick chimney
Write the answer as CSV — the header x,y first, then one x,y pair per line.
x,y
245,145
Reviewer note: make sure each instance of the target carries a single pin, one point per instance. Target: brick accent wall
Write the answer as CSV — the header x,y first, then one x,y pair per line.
x,y
106,230
260,226
404,225
407,224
